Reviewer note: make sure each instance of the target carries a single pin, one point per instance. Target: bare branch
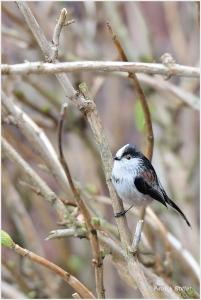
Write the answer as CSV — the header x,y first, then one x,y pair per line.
x,y
67,232
113,248
37,139
148,128
99,66
45,112
101,140
167,87
97,258
67,277
141,95
33,178
57,31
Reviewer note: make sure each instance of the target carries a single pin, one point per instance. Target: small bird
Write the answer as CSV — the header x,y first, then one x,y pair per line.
x,y
136,181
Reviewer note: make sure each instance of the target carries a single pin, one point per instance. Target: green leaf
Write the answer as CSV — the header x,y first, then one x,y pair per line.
x,y
139,116
6,240
96,221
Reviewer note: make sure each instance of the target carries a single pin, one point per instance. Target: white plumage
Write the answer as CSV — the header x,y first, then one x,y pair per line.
x,y
123,175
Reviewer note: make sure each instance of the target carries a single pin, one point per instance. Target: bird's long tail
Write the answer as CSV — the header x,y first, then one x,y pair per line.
x,y
171,203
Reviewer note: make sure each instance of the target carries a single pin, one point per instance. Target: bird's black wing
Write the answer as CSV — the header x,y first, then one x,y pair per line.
x,y
146,188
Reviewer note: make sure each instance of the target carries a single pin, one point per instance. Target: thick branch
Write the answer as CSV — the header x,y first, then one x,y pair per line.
x,y
100,66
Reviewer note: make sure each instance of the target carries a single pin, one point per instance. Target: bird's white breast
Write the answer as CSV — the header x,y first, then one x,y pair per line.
x,y
123,176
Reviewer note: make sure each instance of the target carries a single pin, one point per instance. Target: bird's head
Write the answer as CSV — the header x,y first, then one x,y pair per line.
x,y
127,157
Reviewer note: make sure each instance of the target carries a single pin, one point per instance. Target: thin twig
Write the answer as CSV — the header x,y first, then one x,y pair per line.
x,y
97,258
33,178
43,111
37,139
99,66
140,93
67,277
26,229
67,232
42,91
167,88
57,31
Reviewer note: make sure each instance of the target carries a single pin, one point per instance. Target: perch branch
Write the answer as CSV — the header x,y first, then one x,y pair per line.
x,y
97,258
99,66
148,127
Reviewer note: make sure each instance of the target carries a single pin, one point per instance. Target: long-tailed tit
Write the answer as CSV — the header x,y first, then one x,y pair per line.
x,y
136,182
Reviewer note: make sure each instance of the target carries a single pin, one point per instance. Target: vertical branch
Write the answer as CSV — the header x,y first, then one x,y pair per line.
x,y
97,258
57,31
147,115
148,126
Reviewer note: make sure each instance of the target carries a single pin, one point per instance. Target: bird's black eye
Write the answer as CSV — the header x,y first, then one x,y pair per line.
x,y
128,156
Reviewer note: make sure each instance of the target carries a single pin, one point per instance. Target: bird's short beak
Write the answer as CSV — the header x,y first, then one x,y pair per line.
x,y
116,158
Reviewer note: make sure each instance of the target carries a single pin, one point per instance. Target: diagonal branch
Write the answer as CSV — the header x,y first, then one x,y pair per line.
x,y
140,93
66,276
97,258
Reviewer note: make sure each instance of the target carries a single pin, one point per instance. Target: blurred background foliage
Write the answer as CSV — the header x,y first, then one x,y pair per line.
x,y
146,30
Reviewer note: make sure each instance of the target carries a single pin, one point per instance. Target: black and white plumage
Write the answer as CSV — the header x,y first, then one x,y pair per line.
x,y
135,180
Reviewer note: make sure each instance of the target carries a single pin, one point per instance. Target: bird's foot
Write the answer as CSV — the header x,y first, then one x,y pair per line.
x,y
122,213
